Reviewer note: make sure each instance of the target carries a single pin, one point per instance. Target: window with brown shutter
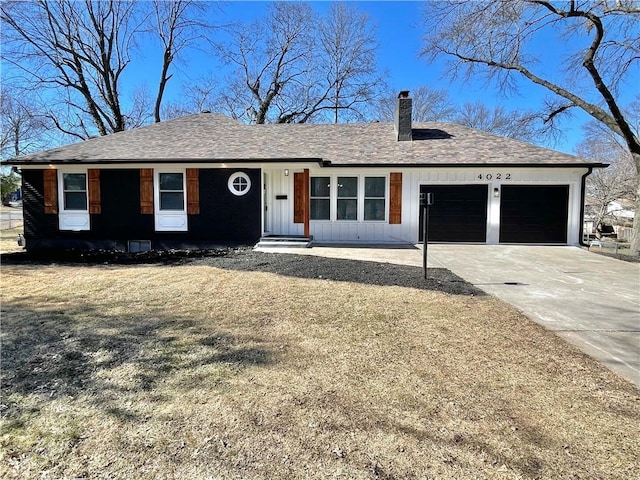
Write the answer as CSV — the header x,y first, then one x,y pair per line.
x,y
193,191
146,191
50,191
395,198
95,206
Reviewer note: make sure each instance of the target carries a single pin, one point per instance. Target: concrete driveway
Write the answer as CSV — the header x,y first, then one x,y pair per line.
x,y
590,300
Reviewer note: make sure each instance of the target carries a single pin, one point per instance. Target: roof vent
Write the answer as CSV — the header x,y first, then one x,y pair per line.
x,y
205,111
402,117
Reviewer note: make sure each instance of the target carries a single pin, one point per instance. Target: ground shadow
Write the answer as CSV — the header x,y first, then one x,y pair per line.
x,y
59,352
345,270
287,264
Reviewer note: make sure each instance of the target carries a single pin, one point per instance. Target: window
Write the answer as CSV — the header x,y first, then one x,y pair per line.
x,y
320,201
347,204
239,183
171,189
350,198
74,191
374,198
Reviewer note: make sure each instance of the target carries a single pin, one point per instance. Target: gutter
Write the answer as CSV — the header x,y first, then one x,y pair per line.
x,y
230,161
328,163
583,188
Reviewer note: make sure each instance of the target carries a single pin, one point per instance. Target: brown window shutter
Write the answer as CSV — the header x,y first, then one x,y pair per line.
x,y
50,191
94,191
193,191
299,197
395,198
146,191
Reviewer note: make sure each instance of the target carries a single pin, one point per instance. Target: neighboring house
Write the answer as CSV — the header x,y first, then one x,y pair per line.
x,y
616,219
205,180
14,199
622,209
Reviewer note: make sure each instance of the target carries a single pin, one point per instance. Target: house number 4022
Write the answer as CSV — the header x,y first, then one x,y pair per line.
x,y
494,176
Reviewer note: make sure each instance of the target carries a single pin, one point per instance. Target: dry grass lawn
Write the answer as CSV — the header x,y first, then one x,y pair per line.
x,y
194,372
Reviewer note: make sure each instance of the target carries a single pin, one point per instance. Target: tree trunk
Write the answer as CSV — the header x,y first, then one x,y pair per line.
x,y
166,61
635,236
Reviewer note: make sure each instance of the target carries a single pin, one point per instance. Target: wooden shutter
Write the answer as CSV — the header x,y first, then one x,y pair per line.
x,y
50,191
395,198
299,197
146,191
193,191
95,206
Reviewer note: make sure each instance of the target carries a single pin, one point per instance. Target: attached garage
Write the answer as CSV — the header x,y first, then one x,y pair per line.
x,y
458,214
534,213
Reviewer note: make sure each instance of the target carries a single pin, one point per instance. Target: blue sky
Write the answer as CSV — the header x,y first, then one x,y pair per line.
x,y
399,32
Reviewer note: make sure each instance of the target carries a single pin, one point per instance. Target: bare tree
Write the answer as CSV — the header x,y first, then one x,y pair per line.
x,y
495,39
179,24
271,56
79,51
195,97
80,47
22,128
607,185
293,66
347,56
429,105
513,124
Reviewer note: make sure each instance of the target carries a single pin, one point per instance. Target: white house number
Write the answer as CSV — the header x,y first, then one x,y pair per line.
x,y
494,176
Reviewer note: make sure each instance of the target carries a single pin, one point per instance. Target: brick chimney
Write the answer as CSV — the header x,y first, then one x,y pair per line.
x,y
402,117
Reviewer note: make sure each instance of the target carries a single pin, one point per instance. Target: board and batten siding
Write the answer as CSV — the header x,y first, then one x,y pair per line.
x,y
279,215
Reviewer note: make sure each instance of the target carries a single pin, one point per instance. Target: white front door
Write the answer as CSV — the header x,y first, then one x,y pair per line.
x,y
278,201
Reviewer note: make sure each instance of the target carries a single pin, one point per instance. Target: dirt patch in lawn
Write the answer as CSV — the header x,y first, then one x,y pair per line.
x,y
215,370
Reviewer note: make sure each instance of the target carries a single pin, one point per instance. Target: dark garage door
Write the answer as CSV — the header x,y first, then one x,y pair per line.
x,y
534,214
459,213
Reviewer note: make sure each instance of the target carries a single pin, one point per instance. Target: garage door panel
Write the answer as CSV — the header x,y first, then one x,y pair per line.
x,y
459,213
534,213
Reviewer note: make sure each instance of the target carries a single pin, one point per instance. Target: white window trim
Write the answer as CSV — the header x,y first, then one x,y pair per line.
x,y
170,220
333,197
72,220
231,186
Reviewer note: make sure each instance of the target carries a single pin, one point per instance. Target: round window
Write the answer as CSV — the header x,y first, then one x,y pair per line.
x,y
239,183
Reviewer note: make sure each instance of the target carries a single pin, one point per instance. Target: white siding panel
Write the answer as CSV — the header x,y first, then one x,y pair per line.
x,y
407,232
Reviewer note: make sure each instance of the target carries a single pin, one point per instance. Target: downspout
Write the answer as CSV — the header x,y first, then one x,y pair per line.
x,y
582,201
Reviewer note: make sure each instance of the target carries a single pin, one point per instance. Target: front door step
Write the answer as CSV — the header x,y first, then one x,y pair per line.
x,y
293,241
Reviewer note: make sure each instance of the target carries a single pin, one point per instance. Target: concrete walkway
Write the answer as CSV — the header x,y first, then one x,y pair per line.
x,y
590,300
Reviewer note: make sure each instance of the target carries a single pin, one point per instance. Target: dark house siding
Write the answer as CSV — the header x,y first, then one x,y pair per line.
x,y
224,217
121,218
38,226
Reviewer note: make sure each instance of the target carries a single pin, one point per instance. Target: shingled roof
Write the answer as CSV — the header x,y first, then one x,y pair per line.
x,y
208,137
